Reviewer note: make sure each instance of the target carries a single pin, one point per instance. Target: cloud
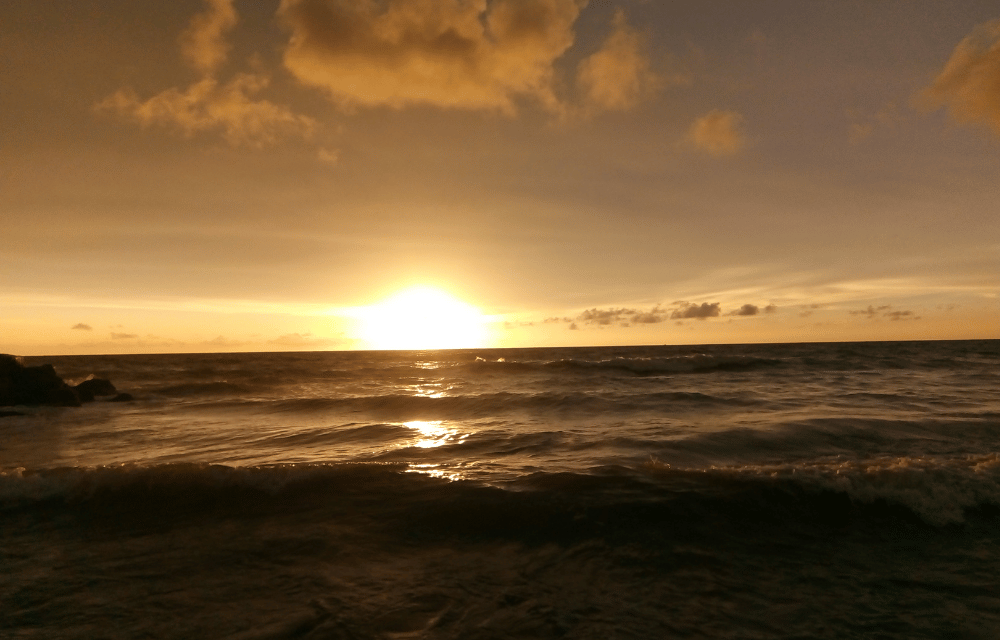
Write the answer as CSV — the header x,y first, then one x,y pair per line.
x,y
603,316
618,76
969,84
771,308
871,311
82,327
207,104
203,44
718,133
124,336
885,311
702,311
649,317
746,310
445,53
622,316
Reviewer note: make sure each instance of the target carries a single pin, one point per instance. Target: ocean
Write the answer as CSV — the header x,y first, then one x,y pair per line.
x,y
840,490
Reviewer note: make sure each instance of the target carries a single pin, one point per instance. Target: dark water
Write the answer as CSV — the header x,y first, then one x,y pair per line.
x,y
764,491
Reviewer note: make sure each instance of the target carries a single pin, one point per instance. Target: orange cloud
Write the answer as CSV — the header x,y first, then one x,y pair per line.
x,y
203,43
701,311
463,54
969,84
618,76
207,104
718,133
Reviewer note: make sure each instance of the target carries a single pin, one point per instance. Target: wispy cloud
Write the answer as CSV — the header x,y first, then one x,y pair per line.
x,y
885,311
231,107
969,84
619,75
718,133
82,327
203,44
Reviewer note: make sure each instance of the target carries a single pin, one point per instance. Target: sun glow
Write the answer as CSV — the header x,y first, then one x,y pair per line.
x,y
422,318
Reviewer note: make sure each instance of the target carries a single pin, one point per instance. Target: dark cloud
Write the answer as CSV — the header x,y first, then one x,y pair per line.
x,y
604,316
885,311
746,310
83,327
649,317
771,308
871,311
623,316
124,336
699,311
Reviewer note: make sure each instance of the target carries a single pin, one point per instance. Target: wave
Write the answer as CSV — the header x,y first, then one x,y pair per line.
x,y
201,389
637,366
401,406
937,492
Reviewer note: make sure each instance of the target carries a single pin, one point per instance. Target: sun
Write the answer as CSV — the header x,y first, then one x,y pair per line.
x,y
422,318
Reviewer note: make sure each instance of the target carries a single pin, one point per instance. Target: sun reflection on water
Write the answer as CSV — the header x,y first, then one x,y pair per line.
x,y
434,471
432,434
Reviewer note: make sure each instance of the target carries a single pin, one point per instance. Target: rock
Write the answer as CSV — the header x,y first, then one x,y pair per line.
x,y
39,385
88,389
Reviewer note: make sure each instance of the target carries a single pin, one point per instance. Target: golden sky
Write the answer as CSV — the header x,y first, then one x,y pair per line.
x,y
217,175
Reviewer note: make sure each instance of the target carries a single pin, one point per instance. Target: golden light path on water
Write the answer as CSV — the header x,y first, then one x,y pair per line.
x,y
431,434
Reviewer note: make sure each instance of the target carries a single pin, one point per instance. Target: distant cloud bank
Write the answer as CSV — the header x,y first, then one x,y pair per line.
x,y
626,317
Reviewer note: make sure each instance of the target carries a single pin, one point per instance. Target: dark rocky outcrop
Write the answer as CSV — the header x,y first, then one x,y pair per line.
x,y
89,389
41,386
38,385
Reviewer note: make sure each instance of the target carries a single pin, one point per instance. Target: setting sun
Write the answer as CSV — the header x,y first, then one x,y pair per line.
x,y
422,318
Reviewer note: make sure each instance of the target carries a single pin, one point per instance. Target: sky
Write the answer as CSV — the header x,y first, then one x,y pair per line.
x,y
219,175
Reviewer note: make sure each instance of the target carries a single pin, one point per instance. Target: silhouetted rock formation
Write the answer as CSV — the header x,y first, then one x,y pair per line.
x,y
40,385
88,389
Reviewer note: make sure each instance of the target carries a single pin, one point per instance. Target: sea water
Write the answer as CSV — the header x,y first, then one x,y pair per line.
x,y
736,491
